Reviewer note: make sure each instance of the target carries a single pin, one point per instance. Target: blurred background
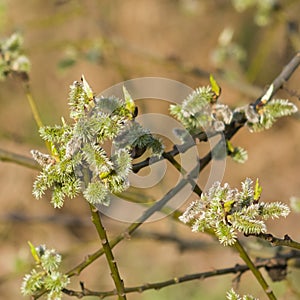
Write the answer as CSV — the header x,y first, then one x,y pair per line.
x,y
110,41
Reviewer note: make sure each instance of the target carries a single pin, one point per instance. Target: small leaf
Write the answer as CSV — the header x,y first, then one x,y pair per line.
x,y
228,205
214,86
34,253
257,190
87,88
129,103
267,96
230,146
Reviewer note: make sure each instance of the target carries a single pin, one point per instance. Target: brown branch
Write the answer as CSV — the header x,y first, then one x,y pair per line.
x,y
275,241
175,151
275,265
115,274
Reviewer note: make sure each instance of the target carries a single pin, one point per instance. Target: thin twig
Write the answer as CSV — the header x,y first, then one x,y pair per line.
x,y
255,271
21,160
284,76
236,124
34,109
181,170
96,219
176,150
278,262
275,241
32,104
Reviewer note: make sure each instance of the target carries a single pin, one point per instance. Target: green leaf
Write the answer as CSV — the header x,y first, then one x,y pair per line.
x,y
87,88
129,103
229,146
34,252
214,85
257,190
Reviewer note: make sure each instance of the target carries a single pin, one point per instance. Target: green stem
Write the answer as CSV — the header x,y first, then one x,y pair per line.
x,y
244,255
108,253
32,105
34,111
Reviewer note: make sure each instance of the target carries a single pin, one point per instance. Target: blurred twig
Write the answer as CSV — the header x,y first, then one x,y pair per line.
x,y
25,161
182,244
63,220
32,104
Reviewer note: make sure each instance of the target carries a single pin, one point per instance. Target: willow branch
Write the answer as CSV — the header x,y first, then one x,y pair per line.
x,y
278,262
255,271
175,151
285,75
275,241
32,105
231,130
181,170
108,253
236,124
134,226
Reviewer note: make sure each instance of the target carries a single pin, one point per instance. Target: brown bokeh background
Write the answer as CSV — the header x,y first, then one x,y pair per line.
x,y
112,41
